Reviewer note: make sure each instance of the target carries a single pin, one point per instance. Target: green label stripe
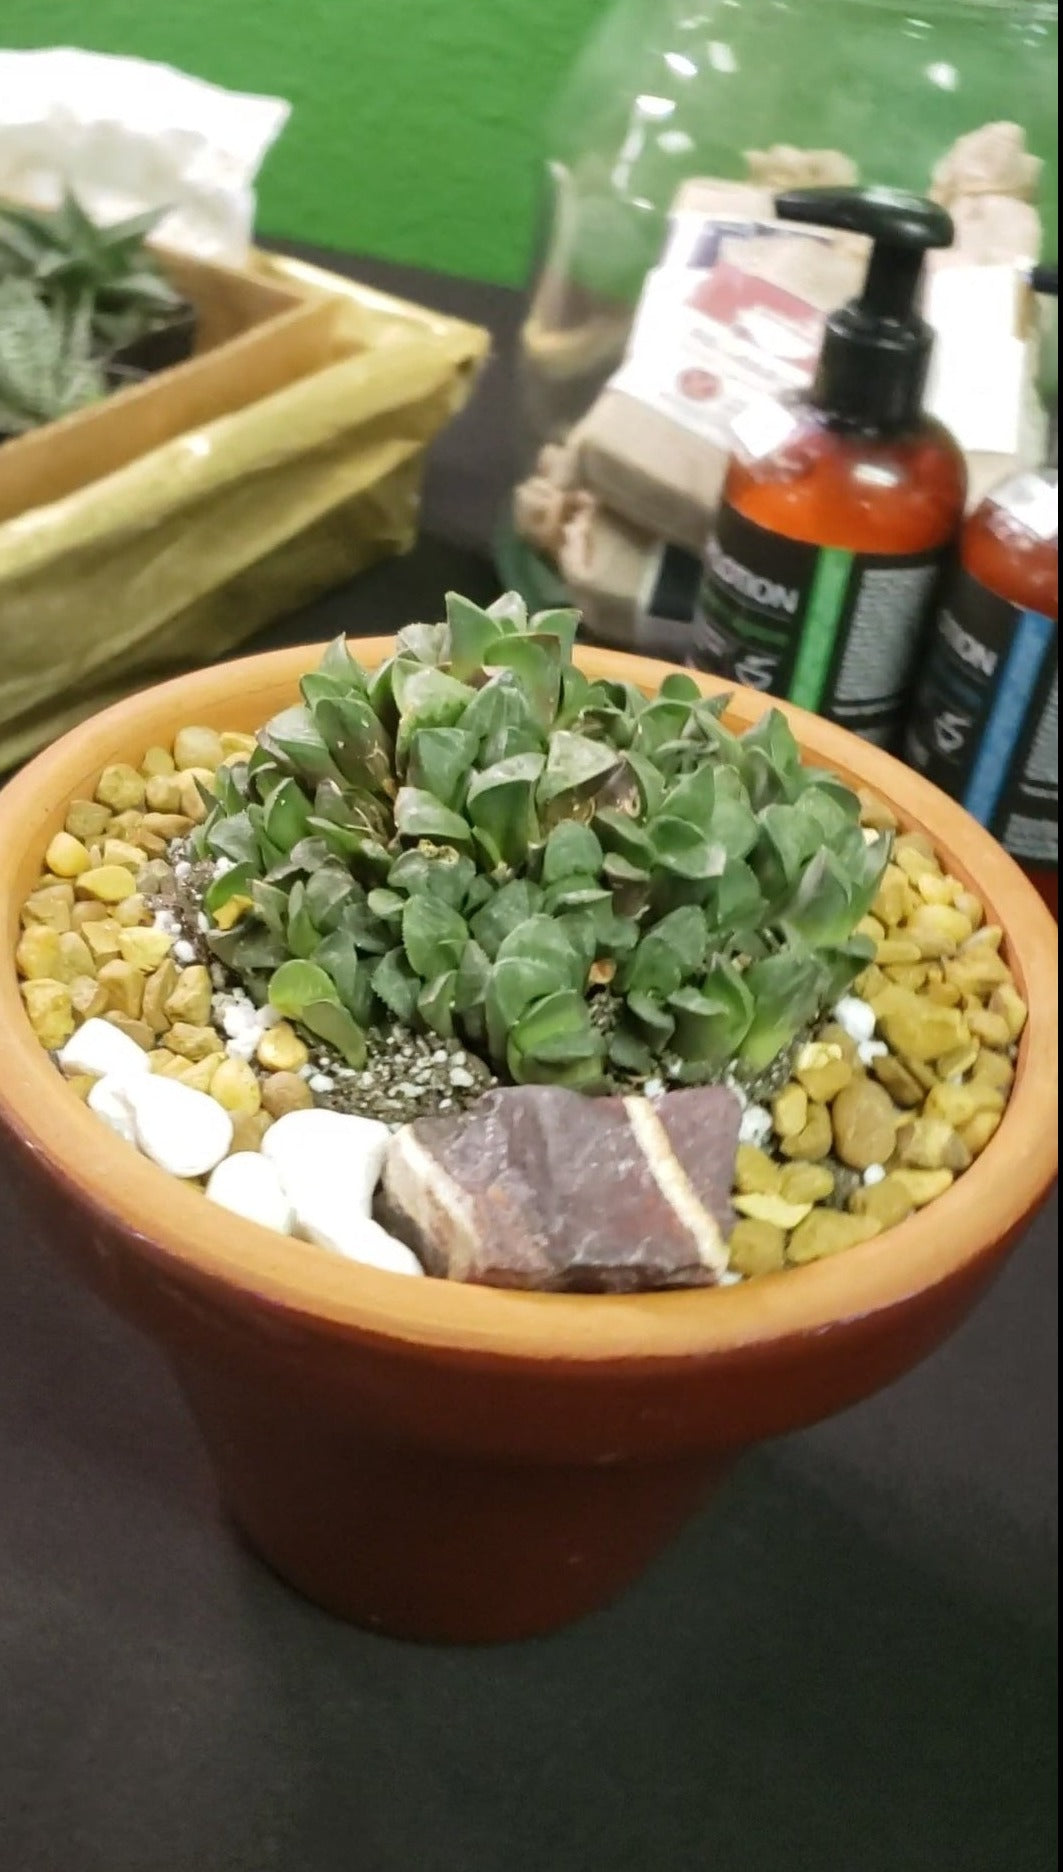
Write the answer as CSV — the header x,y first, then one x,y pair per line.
x,y
826,602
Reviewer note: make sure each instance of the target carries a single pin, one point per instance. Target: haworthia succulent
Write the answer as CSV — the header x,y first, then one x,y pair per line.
x,y
477,840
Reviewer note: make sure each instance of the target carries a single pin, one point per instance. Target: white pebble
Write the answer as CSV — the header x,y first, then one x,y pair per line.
x,y
182,1130
182,869
653,1089
107,1099
184,951
729,1278
99,1048
875,1173
320,1082
869,1050
755,1126
243,1047
202,922
857,1017
221,866
248,1184
357,1237
327,1158
238,1019
217,974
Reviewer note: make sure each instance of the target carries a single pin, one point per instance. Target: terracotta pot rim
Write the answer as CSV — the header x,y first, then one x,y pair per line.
x,y
198,1243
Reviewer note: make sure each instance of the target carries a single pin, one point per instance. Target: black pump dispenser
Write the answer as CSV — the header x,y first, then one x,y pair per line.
x,y
876,350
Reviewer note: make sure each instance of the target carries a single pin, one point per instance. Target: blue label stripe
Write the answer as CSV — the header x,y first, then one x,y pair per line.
x,y
1015,690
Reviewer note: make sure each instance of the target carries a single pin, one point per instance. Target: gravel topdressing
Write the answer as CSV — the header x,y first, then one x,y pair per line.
x,y
870,1115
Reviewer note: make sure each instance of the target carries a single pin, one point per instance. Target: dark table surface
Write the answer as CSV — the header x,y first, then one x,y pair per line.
x,y
846,1665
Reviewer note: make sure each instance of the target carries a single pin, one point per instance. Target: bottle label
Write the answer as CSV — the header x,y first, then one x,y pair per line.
x,y
985,722
836,632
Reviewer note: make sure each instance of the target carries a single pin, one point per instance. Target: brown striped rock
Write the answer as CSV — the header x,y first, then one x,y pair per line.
x,y
540,1187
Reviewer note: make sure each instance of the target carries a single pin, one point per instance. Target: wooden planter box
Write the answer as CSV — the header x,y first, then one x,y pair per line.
x,y
253,336
158,530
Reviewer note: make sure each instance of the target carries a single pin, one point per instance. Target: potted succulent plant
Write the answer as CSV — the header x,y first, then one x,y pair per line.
x,y
46,366
115,315
594,880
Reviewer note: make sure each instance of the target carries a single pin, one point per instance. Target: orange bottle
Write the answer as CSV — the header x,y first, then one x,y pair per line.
x,y
838,510
984,724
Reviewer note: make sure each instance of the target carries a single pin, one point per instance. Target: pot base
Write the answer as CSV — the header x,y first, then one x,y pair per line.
x,y
417,1543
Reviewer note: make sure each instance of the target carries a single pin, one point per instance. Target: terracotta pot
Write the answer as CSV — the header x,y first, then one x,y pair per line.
x,y
454,1463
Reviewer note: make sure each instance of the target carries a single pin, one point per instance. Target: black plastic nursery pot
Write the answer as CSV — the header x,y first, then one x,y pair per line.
x,y
159,349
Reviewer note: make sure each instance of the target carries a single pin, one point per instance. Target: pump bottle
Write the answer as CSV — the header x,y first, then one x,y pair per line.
x,y
838,509
984,723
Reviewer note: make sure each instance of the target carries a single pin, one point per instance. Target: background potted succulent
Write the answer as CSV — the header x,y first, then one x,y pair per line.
x,y
115,315
46,364
457,1462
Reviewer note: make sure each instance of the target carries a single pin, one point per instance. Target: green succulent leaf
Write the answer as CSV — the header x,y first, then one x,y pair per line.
x,y
397,986
575,893
303,937
570,850
621,836
842,964
473,633
557,1028
368,934
679,687
473,976
692,798
386,904
233,883
681,849
359,747
562,623
542,939
515,983
339,665
329,886
667,955
787,992
444,873
500,803
440,762
510,906
297,985
419,815
433,936
426,643
576,768
536,662
435,1004
630,1055
333,1024
286,815
735,903
661,721
294,743
426,698
232,838
349,976
712,1021
650,1020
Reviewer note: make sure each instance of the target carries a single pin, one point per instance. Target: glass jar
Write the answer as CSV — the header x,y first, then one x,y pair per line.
x,y
670,89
